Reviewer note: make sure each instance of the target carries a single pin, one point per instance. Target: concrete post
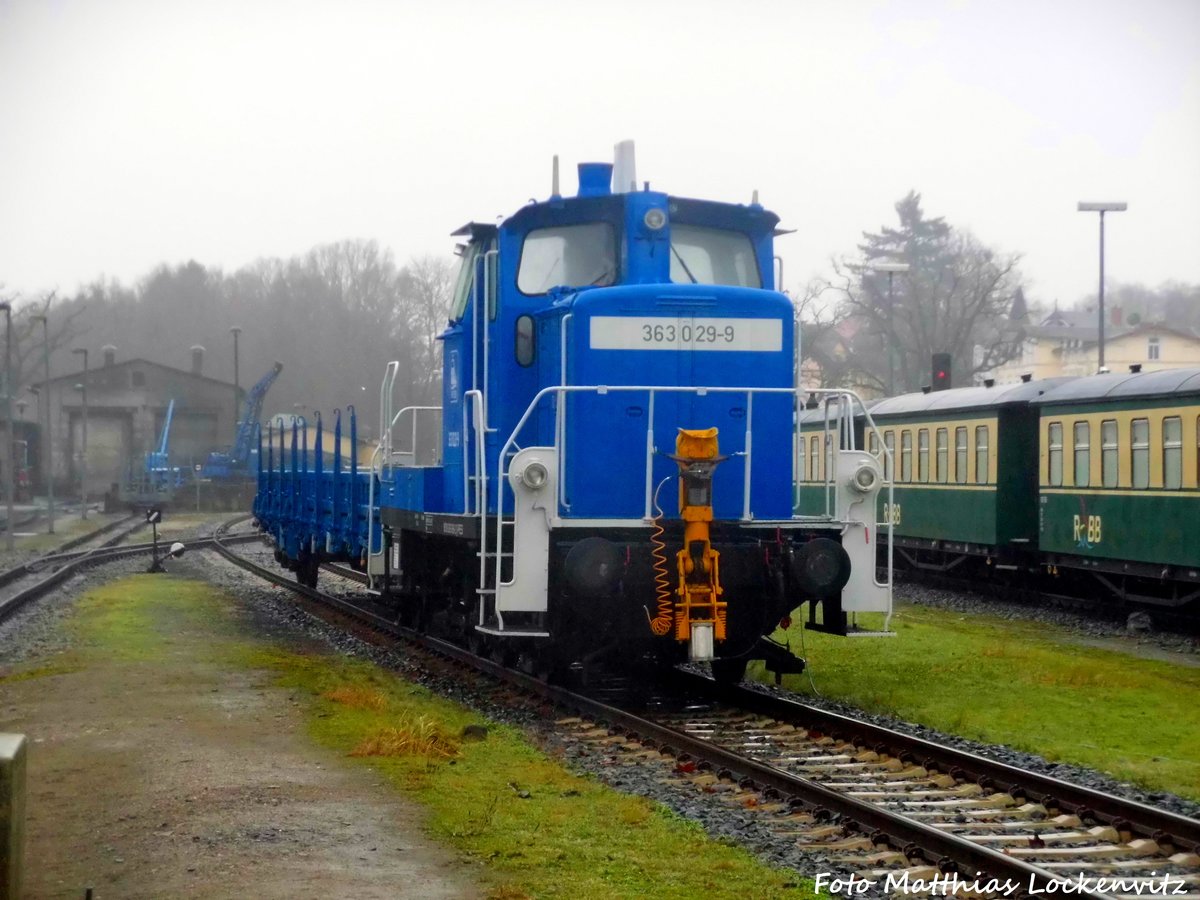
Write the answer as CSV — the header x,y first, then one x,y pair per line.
x,y
12,814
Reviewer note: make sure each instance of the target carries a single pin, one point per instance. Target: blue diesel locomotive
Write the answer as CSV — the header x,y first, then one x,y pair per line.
x,y
612,468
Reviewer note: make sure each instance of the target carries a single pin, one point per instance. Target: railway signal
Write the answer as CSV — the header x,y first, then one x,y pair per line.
x,y
941,372
154,516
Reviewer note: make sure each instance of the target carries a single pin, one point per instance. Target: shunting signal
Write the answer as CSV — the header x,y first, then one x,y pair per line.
x,y
941,372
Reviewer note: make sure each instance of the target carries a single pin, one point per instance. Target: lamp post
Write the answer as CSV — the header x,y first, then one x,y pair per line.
x,y
10,522
1102,208
891,268
83,455
44,400
235,331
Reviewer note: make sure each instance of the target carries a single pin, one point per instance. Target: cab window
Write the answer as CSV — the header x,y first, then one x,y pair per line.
x,y
567,255
526,340
712,256
462,285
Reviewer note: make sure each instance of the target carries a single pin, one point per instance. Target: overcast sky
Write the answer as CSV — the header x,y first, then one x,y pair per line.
x,y
134,133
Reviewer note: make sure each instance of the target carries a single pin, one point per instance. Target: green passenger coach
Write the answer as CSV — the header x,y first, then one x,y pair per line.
x,y
1119,456
962,469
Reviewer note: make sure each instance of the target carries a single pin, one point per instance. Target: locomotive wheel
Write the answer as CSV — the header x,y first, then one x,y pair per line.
x,y
729,671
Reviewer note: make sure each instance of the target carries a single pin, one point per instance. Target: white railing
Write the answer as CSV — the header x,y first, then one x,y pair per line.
x,y
845,400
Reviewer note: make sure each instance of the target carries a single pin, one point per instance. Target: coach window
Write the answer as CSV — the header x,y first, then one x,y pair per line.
x,y
981,454
1056,454
906,456
1140,439
814,457
873,444
1173,453
923,455
943,456
1083,454
802,459
526,340
1108,452
960,455
889,443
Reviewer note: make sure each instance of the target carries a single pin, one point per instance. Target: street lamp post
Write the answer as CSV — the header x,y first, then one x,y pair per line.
x,y
1102,208
235,331
10,522
83,455
891,268
44,400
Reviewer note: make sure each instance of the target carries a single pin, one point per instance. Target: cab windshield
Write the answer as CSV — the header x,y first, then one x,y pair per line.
x,y
567,255
712,256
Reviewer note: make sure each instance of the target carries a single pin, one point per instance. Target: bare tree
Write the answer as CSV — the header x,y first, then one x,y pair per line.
x,y
426,288
955,298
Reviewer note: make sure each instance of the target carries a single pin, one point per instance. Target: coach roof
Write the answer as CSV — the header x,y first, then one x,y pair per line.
x,y
966,398
1122,385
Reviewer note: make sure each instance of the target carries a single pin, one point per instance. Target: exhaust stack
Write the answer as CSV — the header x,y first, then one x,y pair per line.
x,y
624,168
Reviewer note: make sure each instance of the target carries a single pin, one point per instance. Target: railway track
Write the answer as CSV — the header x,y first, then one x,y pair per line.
x,y
897,811
34,578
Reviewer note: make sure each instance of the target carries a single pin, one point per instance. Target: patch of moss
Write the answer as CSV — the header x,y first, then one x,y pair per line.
x,y
1025,684
45,670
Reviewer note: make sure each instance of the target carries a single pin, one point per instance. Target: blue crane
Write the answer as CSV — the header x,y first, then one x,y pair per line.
x,y
239,464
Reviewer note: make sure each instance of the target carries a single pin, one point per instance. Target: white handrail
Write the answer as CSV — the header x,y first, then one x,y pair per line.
x,y
835,394
385,404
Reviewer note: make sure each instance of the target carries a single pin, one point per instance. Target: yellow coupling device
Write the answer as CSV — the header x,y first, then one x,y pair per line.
x,y
699,609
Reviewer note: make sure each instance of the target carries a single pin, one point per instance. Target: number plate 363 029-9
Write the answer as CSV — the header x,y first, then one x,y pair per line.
x,y
686,333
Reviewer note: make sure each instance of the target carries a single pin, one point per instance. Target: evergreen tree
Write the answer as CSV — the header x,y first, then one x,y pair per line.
x,y
955,298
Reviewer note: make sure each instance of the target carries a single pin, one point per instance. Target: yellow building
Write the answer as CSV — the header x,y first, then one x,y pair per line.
x,y
1068,344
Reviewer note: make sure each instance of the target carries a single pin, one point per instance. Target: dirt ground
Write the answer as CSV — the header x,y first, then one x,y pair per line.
x,y
177,776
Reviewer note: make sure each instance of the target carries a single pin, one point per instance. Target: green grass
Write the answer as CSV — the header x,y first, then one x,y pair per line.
x,y
539,830
146,617
1024,684
571,837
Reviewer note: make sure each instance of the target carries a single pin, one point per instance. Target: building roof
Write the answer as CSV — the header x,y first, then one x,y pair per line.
x,y
76,376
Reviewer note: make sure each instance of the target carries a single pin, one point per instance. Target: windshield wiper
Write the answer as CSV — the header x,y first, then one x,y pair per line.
x,y
685,265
